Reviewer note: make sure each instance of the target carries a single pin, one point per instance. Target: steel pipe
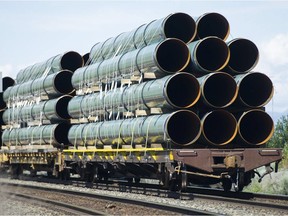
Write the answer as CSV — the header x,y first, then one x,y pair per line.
x,y
54,110
219,127
255,89
212,24
168,56
68,61
176,25
177,91
218,90
255,127
6,83
52,86
181,128
208,55
54,134
86,59
244,56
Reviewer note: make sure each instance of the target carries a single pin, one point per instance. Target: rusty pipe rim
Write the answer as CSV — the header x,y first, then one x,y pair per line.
x,y
218,58
182,90
71,61
181,26
219,127
172,55
255,127
183,127
244,55
212,24
255,89
219,90
62,82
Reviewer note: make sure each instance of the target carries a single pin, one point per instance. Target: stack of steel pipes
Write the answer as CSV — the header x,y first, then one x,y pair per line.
x,y
36,111
174,81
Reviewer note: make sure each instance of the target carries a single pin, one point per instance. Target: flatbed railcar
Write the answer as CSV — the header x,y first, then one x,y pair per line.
x,y
147,104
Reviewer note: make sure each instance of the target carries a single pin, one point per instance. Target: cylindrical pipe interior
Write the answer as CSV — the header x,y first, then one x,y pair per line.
x,y
71,61
61,133
255,127
181,26
172,55
183,128
212,54
183,90
219,127
86,59
244,55
212,24
256,89
7,82
219,90
61,107
62,82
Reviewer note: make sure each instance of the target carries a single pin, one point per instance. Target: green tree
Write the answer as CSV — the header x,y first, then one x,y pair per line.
x,y
280,139
280,136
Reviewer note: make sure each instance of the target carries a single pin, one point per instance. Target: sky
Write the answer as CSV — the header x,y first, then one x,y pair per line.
x,y
33,31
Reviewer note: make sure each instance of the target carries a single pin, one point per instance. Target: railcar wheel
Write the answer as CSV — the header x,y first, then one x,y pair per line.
x,y
179,181
15,171
49,174
183,182
240,181
137,180
33,173
227,184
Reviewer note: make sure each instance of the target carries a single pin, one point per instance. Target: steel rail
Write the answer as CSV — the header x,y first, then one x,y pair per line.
x,y
64,206
159,206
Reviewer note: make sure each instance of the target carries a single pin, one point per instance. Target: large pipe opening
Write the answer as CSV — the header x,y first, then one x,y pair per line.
x,y
86,59
212,54
61,133
255,89
183,128
62,107
62,82
255,127
182,90
181,26
244,55
7,82
212,24
71,61
219,127
172,55
219,90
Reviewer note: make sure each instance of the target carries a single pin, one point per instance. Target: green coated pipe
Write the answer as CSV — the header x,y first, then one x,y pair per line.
x,y
244,56
219,128
181,128
177,91
54,110
52,86
208,55
255,127
255,89
212,24
218,90
68,61
54,134
175,25
168,56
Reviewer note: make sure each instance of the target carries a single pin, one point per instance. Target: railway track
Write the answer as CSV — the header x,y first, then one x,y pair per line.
x,y
95,204
64,207
275,203
279,202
